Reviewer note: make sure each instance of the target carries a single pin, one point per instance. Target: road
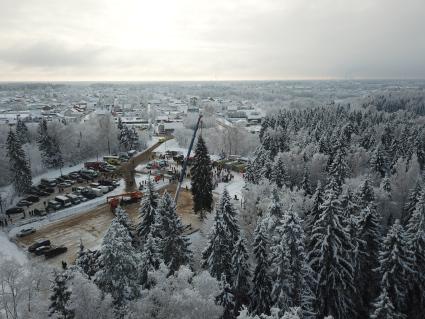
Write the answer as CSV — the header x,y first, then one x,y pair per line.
x,y
128,170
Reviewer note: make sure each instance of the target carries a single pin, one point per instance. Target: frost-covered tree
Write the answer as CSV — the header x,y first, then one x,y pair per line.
x,y
368,233
150,259
119,273
411,202
182,295
122,217
290,272
19,164
384,308
415,232
379,161
229,213
22,132
201,179
261,283
305,183
241,275
330,257
314,212
147,212
226,299
217,256
87,261
365,194
339,169
173,245
395,269
279,174
60,298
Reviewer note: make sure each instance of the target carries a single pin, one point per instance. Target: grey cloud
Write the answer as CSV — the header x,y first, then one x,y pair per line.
x,y
50,55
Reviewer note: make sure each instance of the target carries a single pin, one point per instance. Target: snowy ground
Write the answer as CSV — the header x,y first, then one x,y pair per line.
x,y
10,250
234,187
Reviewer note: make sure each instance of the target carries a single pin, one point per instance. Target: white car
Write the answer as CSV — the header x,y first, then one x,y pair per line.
x,y
25,232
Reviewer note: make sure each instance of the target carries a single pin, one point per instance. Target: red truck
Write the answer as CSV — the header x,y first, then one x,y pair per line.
x,y
94,165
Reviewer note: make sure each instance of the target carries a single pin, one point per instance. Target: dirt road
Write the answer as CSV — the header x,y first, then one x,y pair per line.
x,y
92,226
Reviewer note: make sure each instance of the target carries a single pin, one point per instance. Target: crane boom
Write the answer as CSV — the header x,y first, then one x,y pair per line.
x,y
183,172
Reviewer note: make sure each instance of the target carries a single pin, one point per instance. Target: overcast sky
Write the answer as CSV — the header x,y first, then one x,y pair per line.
x,y
211,39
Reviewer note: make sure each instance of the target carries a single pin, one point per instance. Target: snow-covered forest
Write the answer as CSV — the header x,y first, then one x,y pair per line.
x,y
331,222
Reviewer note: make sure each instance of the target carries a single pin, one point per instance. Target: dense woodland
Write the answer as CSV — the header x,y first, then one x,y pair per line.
x,y
332,225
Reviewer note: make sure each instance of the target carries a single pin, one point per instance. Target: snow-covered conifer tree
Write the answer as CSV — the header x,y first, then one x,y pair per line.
x,y
22,133
261,284
201,179
19,164
331,258
279,174
120,265
147,212
395,269
172,244
411,202
290,272
226,299
241,275
60,297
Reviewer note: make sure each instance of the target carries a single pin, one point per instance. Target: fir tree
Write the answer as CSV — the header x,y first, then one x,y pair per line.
x,y
229,217
87,261
22,133
369,234
173,245
379,161
279,174
123,217
395,268
261,285
201,182
386,186
60,298
119,273
291,275
305,184
415,233
411,202
226,299
19,165
314,212
147,212
384,308
339,169
55,158
150,259
365,194
43,141
331,259
217,256
241,275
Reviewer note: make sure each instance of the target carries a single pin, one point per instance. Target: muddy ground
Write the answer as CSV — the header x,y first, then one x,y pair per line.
x,y
90,227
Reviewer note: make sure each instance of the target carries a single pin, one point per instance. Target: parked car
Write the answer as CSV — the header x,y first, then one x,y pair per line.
x,y
47,189
94,165
63,201
38,212
74,199
32,198
42,250
64,185
70,181
38,243
35,191
131,153
23,203
15,210
54,205
82,198
48,182
74,175
88,193
104,189
25,232
55,251
97,191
